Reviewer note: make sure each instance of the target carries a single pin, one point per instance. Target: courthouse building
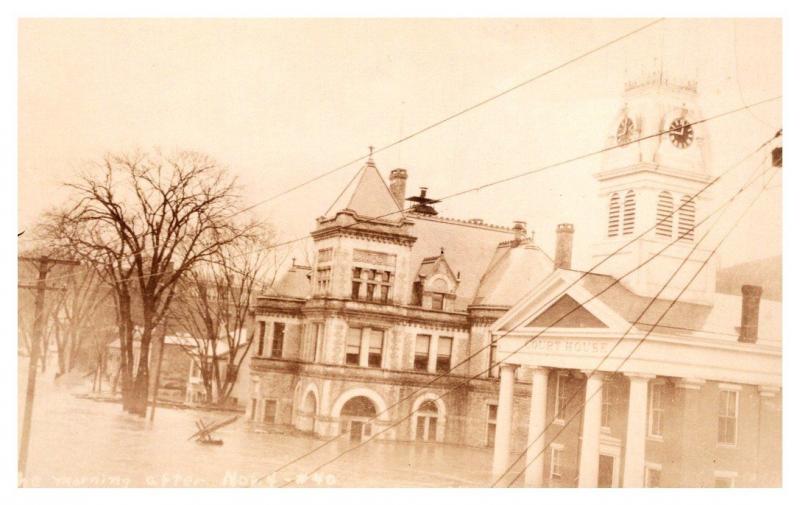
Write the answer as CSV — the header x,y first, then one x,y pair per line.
x,y
397,295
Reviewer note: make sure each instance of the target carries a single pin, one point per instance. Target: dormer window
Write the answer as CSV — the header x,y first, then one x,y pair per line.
x,y
439,288
435,284
437,301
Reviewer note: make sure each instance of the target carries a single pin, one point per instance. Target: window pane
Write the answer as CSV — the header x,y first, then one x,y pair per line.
x,y
443,354
279,330
421,350
353,347
375,348
423,344
445,346
376,340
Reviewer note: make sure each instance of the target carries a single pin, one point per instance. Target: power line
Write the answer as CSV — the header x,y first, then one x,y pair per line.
x,y
556,296
477,352
480,350
513,177
459,113
641,340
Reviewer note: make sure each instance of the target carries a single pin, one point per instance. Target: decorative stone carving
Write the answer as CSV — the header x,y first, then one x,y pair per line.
x,y
374,258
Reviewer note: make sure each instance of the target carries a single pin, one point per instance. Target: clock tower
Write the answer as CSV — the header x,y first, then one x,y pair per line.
x,y
647,179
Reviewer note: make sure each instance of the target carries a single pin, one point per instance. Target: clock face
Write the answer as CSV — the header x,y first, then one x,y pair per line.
x,y
681,133
625,131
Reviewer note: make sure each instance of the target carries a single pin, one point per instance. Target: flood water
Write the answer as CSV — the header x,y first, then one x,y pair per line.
x,y
86,443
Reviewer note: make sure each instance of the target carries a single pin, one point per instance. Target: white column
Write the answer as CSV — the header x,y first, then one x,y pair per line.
x,y
505,410
534,458
633,475
590,436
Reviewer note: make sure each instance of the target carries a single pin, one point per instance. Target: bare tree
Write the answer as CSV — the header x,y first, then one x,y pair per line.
x,y
144,220
215,305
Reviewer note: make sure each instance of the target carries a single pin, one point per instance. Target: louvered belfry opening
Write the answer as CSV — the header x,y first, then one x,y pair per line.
x,y
613,216
686,219
629,213
664,214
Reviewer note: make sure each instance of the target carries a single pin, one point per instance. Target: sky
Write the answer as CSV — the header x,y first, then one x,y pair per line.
x,y
281,101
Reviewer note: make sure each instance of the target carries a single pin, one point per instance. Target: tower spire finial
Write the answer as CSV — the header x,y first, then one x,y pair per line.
x,y
370,161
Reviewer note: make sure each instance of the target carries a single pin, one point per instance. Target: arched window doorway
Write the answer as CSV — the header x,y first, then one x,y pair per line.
x,y
308,412
356,415
427,421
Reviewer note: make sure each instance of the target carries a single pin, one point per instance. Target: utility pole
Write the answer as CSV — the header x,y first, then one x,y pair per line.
x,y
36,338
158,368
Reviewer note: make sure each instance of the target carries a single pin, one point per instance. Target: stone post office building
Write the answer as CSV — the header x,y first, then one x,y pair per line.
x,y
398,294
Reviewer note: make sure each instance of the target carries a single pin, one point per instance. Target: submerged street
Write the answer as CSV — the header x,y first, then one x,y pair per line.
x,y
78,443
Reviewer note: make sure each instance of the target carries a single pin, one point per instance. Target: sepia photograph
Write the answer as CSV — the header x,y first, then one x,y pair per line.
x,y
377,252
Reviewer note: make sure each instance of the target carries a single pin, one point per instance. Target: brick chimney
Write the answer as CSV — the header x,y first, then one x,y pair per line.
x,y
563,257
751,298
397,184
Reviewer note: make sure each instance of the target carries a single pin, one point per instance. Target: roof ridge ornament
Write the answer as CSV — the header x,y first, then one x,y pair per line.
x,y
370,161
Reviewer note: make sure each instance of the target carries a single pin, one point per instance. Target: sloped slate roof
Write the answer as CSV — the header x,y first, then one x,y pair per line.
x,y
294,283
514,271
721,319
368,197
469,249
764,272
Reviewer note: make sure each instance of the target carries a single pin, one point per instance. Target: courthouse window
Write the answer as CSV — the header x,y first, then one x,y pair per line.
x,y
444,354
270,411
491,424
371,285
728,406
262,332
556,461
437,301
278,331
652,476
353,346
375,348
608,402
494,371
323,280
372,353
422,352
316,333
656,411
561,396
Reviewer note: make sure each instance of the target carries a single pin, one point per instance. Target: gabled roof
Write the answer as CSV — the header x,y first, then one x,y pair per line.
x,y
435,264
370,197
603,295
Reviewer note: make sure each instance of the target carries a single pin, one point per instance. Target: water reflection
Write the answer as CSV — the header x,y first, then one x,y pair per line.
x,y
78,442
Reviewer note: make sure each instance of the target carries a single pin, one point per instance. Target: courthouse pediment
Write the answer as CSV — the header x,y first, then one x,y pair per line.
x,y
566,313
561,302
